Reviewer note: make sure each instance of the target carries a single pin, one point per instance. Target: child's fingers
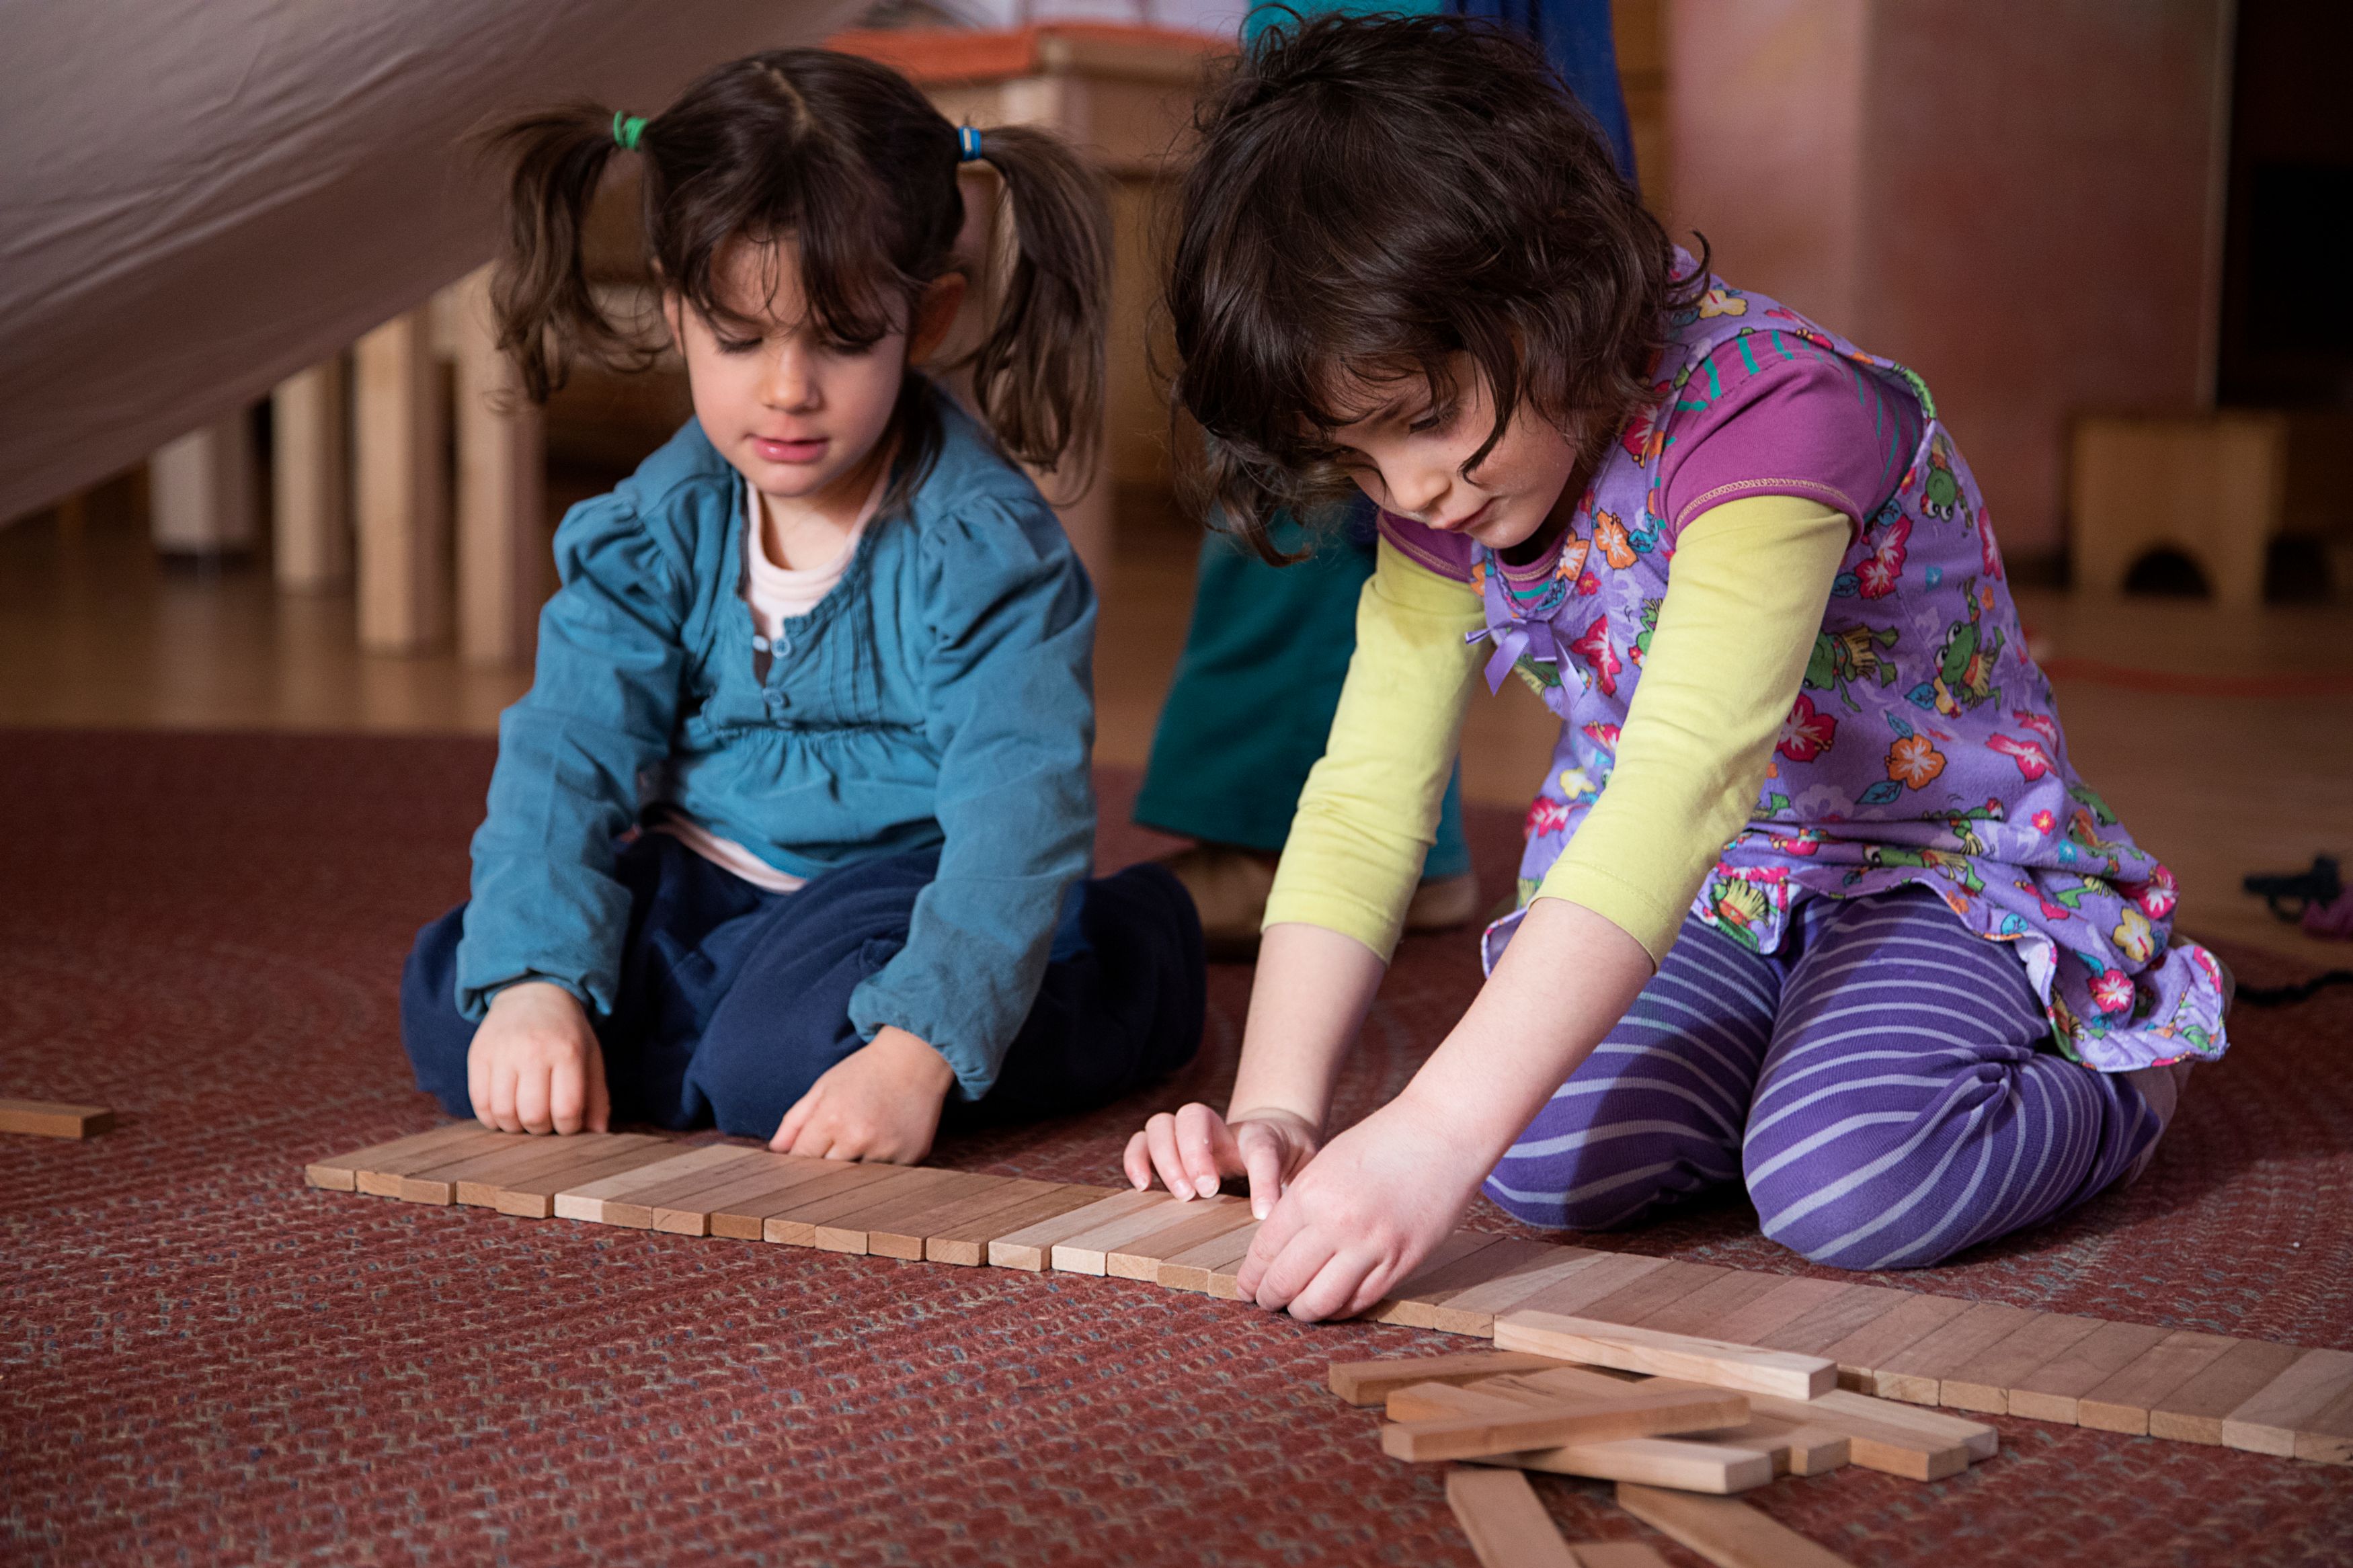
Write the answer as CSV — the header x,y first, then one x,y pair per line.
x,y
1262,1159
503,1098
789,1131
1303,1257
1137,1161
1160,1135
478,1082
1200,1131
600,1098
1334,1289
532,1090
567,1096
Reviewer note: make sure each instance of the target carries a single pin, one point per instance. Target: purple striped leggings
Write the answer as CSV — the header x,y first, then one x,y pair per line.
x,y
1884,1085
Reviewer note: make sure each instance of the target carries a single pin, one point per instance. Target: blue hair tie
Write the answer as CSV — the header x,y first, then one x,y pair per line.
x,y
967,144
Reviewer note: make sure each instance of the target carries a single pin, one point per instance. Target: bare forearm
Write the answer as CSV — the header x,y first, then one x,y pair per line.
x,y
1307,1001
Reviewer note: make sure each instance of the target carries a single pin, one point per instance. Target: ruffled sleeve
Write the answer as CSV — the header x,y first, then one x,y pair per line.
x,y
1009,711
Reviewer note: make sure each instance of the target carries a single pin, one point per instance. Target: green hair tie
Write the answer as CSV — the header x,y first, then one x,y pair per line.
x,y
627,129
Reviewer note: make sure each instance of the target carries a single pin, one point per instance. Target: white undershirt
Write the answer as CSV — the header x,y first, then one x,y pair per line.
x,y
776,594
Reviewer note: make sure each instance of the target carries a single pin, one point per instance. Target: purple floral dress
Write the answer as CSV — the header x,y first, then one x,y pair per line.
x,y
1924,747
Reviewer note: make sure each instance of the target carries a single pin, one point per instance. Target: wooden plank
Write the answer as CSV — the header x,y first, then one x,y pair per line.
x,y
1472,1311
476,1184
2327,1438
2193,1413
1702,1462
1795,1450
2267,1422
1371,1381
1225,1278
1705,1311
902,1236
967,1244
1860,1354
1618,1554
1088,1251
340,1173
1630,1349
1194,1268
1778,1309
2123,1402
1417,1303
1914,1373
2049,1393
690,1214
1874,1444
1032,1247
1507,1526
586,1201
1574,1292
1982,1382
843,1195
54,1118
381,1178
740,1216
890,1202
1439,1272
634,1209
1630,1305
1142,1258
1637,1413
437,1182
533,1197
1979,1440
1729,1534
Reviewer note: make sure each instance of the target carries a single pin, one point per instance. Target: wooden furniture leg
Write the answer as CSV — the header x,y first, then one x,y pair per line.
x,y
310,422
403,485
504,566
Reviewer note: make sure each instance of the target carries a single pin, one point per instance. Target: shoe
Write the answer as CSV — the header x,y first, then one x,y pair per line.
x,y
1229,886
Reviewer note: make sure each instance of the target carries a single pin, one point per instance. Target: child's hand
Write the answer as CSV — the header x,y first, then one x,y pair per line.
x,y
1193,1151
1362,1216
881,1102
535,1065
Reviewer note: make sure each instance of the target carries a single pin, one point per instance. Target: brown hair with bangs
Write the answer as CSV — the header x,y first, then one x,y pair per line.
x,y
847,159
1372,197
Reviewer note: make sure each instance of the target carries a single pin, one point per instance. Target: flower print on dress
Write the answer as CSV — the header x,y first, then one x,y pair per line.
x,y
1842,658
2156,896
1913,762
1888,539
2050,910
1806,733
2112,989
2032,761
2133,936
1645,435
2045,822
1597,650
1602,735
1722,302
1545,815
1609,537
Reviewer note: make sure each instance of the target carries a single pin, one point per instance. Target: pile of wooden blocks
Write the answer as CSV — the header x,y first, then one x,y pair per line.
x,y
1678,1422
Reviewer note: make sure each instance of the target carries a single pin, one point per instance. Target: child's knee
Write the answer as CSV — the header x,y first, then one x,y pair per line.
x,y
433,1032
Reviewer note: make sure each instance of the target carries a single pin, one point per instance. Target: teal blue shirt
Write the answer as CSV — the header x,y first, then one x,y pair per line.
x,y
941,694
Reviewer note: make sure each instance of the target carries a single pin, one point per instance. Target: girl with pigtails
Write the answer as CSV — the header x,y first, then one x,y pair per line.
x,y
791,832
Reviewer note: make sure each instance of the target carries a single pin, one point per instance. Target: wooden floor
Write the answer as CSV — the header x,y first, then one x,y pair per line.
x,y
2225,740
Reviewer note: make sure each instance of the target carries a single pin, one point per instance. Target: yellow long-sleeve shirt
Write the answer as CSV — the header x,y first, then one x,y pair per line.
x,y
1746,599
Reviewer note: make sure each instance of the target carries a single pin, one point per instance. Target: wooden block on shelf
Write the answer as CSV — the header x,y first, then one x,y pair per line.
x,y
54,1118
1728,1534
1874,1444
841,1195
340,1173
1572,1293
1031,1248
1632,1349
2193,1413
2270,1418
1831,1318
2049,1393
1507,1525
1860,1354
890,1203
1633,1304
967,1244
2123,1402
740,1215
1088,1251
1371,1381
1142,1258
533,1196
1915,1373
1453,1260
1706,1310
1636,1412
1983,1380
1472,1309
382,1178
636,1209
1195,1268
902,1236
586,1201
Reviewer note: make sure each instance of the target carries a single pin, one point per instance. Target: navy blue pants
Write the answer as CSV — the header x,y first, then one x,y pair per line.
x,y
733,1000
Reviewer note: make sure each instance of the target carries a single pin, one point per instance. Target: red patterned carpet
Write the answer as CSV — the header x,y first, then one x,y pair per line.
x,y
200,1361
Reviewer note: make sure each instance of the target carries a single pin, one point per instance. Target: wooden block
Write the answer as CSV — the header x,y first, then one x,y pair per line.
x,y
586,1201
902,1236
967,1244
1978,1439
842,1194
2049,1393
2123,1402
54,1118
1472,1311
1860,1354
1704,1311
1874,1444
690,1213
1661,1287
340,1173
1141,1258
890,1202
1437,1273
1195,1268
400,474
634,1209
1777,1309
1982,1382
1032,1247
1088,1251
1371,1381
1667,1355
2327,1438
1795,1450
740,1215
1636,1412
479,1185
1225,1278
2268,1422
2193,1413
1507,1526
381,1178
437,1182
1728,1534
1703,1464
1833,1319
533,1197
1574,1292
1914,1373
1617,1555
311,525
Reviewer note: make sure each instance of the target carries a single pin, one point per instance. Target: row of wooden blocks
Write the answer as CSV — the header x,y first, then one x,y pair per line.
x,y
1904,1347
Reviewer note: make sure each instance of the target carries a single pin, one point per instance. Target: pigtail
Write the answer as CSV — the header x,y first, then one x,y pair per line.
x,y
1039,374
547,311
